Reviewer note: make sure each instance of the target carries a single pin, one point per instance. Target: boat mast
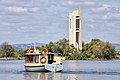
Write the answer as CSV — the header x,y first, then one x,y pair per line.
x,y
34,47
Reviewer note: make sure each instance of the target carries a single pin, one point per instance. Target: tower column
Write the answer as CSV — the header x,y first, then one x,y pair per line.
x,y
75,29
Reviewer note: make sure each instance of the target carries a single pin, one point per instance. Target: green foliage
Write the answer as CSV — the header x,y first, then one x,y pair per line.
x,y
99,49
21,53
7,50
58,47
96,49
92,56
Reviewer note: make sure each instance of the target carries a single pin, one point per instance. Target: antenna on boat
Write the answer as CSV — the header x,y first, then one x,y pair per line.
x,y
34,47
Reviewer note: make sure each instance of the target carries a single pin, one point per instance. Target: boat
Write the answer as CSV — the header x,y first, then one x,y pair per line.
x,y
40,62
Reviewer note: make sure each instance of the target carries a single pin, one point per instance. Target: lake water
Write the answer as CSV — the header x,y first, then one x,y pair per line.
x,y
73,70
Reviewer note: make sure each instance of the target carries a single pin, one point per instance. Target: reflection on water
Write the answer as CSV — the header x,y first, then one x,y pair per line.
x,y
42,76
49,76
73,77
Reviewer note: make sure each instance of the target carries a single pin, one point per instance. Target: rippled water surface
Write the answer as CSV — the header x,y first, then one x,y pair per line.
x,y
73,70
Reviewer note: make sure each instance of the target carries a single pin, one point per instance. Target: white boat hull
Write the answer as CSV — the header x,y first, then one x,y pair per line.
x,y
54,67
47,67
35,68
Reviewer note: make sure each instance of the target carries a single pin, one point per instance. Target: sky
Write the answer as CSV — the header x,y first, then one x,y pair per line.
x,y
26,21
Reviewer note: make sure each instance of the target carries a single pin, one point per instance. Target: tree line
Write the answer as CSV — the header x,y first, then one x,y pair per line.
x,y
96,49
7,51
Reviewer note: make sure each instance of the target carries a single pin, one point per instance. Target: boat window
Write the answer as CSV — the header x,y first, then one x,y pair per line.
x,y
36,59
29,59
50,58
32,59
59,54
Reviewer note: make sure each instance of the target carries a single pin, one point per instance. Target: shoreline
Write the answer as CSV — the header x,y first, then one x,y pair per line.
x,y
7,59
20,58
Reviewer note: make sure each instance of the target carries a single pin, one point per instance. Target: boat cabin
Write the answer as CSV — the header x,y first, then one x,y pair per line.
x,y
43,58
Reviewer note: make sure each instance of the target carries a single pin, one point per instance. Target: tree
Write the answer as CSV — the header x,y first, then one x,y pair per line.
x,y
99,49
7,50
1,52
21,53
109,51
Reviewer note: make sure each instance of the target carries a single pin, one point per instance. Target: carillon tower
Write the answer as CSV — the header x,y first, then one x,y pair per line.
x,y
75,29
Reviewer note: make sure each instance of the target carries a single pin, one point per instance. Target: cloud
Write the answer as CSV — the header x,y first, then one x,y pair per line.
x,y
107,12
70,2
102,8
34,9
88,3
16,9
7,1
19,9
111,16
25,29
84,3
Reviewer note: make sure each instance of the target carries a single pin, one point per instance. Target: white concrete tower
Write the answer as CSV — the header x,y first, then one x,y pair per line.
x,y
75,29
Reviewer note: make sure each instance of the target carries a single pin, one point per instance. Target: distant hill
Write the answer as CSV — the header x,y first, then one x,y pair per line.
x,y
26,46
117,46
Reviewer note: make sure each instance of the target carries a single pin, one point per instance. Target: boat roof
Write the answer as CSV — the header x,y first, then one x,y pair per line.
x,y
40,53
